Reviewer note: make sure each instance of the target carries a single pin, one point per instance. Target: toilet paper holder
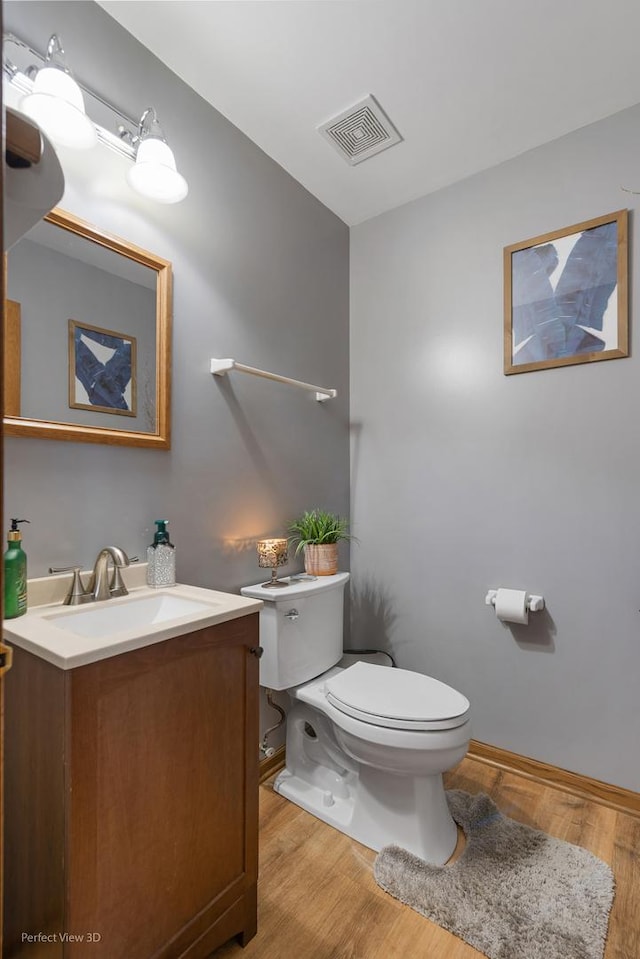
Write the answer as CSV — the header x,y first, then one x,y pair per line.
x,y
533,603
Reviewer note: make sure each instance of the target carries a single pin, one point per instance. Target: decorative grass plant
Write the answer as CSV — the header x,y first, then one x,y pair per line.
x,y
318,528
318,533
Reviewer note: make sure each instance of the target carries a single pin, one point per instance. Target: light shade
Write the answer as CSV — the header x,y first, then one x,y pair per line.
x,y
272,553
56,102
154,173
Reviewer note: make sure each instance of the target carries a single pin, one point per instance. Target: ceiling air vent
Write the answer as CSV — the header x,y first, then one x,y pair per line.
x,y
361,131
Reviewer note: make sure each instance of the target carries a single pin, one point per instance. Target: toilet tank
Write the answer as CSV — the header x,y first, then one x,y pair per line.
x,y
300,629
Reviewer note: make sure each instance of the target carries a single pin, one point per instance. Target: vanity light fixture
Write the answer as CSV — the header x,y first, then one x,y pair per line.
x,y
273,553
47,91
56,102
154,173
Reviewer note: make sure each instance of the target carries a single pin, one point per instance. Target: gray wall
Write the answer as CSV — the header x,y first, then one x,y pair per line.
x,y
464,479
260,274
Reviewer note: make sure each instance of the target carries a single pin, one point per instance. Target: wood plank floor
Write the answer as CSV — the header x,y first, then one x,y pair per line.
x,y
317,897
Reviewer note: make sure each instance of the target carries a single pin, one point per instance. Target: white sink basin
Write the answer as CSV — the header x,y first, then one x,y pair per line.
x,y
135,613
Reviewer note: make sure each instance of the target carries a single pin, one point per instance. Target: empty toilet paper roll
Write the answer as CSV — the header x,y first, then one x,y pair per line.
x,y
511,606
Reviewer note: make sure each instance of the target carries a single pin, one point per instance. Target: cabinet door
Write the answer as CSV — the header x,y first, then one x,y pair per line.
x,y
162,824
35,795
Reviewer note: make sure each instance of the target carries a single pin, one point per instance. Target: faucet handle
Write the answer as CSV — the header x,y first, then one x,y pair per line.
x,y
77,594
116,586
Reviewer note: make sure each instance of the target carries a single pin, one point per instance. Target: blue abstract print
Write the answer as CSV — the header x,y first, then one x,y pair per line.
x,y
561,294
105,381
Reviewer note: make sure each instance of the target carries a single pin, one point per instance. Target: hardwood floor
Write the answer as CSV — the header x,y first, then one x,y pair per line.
x,y
317,898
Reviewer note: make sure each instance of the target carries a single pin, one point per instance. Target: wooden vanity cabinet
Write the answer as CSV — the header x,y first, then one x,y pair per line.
x,y
131,786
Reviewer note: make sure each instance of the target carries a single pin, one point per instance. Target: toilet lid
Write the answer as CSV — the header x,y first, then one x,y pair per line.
x,y
396,698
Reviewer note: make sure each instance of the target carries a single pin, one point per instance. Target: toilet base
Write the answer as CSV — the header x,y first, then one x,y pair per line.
x,y
374,807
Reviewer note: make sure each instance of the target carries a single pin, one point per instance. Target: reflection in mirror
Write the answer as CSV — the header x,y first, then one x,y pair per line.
x,y
87,354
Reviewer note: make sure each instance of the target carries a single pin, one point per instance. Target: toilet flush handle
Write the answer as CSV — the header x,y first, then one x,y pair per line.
x,y
292,615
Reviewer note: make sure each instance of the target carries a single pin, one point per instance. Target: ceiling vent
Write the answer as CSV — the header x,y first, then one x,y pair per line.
x,y
361,131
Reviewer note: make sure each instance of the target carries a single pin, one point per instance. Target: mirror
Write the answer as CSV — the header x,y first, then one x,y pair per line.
x,y
87,337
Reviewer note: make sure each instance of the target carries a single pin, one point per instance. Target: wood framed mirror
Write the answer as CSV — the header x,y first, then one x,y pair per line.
x,y
88,337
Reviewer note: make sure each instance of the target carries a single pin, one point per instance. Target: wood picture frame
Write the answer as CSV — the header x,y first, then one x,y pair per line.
x,y
566,296
12,372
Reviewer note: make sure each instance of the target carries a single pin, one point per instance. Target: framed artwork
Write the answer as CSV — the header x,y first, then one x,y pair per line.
x,y
102,370
566,297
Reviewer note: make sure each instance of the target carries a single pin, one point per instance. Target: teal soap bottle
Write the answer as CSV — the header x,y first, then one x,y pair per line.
x,y
15,573
161,558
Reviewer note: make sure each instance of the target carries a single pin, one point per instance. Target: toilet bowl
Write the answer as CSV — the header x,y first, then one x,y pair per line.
x,y
367,745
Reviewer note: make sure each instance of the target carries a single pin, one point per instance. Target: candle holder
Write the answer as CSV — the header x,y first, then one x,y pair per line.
x,y
273,553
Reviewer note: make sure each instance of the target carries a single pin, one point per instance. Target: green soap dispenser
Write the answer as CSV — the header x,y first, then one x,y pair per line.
x,y
15,573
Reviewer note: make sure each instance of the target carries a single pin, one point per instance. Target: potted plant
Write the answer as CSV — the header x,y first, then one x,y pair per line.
x,y
318,534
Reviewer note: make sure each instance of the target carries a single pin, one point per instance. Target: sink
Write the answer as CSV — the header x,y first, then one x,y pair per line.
x,y
137,613
70,636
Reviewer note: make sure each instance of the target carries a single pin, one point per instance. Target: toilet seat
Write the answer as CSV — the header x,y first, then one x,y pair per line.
x,y
396,698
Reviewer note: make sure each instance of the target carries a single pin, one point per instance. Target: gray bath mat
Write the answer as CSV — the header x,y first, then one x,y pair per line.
x,y
514,893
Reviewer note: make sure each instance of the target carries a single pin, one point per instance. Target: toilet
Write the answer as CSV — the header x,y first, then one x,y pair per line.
x,y
366,745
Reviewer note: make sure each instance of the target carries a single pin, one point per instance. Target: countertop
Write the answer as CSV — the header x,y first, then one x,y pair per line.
x,y
38,633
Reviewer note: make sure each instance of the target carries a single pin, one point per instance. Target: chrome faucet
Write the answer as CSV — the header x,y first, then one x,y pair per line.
x,y
100,586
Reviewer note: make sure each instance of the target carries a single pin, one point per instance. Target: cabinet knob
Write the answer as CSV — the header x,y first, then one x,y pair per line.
x,y
256,651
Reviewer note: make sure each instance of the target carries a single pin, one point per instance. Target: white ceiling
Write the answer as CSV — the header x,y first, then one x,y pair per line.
x,y
468,83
